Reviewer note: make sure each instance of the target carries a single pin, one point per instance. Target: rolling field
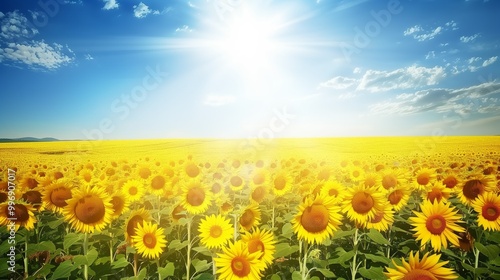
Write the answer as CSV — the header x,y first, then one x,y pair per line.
x,y
321,208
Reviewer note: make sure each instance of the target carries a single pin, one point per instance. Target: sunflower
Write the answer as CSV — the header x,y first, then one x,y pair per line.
x,y
258,192
149,240
250,217
333,189
191,169
487,206
436,191
136,218
423,177
86,176
356,173
28,182
20,213
56,195
261,241
398,197
235,262
390,178
473,187
427,268
371,179
133,190
260,176
281,183
437,223
215,231
317,219
450,180
195,197
382,219
362,203
157,184
89,209
236,182
120,204
34,197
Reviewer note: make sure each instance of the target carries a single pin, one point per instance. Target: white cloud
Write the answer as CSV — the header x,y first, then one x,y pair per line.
x,y
219,100
110,4
482,99
36,54
430,55
339,82
468,39
184,28
14,25
89,57
142,10
489,61
420,34
403,78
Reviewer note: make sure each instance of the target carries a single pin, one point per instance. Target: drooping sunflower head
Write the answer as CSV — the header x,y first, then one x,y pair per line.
x,y
195,197
473,187
215,231
429,267
437,224
21,214
135,218
487,206
89,209
250,217
362,203
56,195
262,241
235,262
317,219
149,240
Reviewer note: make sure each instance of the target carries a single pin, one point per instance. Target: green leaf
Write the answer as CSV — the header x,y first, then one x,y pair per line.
x,y
372,273
287,230
42,246
70,239
343,258
204,276
491,251
54,224
296,275
376,236
340,234
79,260
284,249
376,258
101,237
203,250
177,244
468,267
326,272
119,263
167,271
275,277
200,265
64,270
91,256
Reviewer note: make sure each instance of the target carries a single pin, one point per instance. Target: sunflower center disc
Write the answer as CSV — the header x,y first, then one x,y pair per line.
x,y
450,182
158,183
20,213
258,194
195,196
236,181
472,189
255,246
149,240
33,197
215,231
315,218
419,274
423,179
395,197
279,183
132,190
377,218
333,192
258,179
132,224
90,209
58,196
240,266
247,219
192,170
118,204
362,202
389,181
490,212
436,224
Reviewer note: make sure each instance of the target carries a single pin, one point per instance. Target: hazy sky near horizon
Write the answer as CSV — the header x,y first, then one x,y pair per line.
x,y
138,69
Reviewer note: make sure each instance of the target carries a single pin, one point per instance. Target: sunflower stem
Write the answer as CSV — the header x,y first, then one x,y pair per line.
x,y
26,254
272,219
235,234
214,266
86,266
136,260
303,269
188,255
354,266
111,248
158,268
476,261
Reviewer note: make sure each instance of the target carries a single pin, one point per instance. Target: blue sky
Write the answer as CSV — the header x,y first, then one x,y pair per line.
x,y
127,69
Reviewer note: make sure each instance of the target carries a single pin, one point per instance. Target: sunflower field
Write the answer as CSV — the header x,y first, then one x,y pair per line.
x,y
339,208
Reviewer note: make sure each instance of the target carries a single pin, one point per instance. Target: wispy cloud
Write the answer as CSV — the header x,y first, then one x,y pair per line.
x,y
110,4
472,64
219,100
142,10
184,28
37,54
468,39
14,25
421,34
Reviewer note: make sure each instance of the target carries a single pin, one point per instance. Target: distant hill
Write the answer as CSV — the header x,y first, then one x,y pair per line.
x,y
28,139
